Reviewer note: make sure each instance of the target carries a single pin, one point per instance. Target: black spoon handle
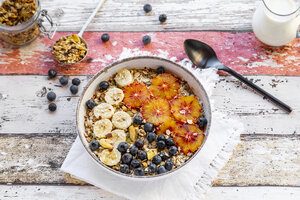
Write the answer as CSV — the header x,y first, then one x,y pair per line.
x,y
258,89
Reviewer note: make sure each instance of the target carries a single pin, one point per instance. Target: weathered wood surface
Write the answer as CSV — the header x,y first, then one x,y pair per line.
x,y
260,160
49,192
241,51
23,104
183,15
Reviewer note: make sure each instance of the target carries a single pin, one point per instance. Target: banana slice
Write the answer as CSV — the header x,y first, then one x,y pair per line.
x,y
118,136
114,96
121,120
102,127
110,157
123,77
104,110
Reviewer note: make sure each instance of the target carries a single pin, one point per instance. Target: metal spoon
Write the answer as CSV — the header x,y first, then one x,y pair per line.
x,y
82,31
203,56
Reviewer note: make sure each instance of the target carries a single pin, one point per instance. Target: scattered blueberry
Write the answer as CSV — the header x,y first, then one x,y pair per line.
x,y
135,163
148,127
142,155
201,122
94,145
51,96
170,142
122,147
76,81
138,120
161,144
172,151
139,171
74,89
168,165
124,169
139,143
52,107
133,150
156,160
104,37
151,137
90,104
161,169
51,73
146,39
147,8
63,80
162,18
161,137
103,85
163,156
152,168
126,158
160,70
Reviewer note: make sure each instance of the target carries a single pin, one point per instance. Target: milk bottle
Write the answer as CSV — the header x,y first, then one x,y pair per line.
x,y
275,22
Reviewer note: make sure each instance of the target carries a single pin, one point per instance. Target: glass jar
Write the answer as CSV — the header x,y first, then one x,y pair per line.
x,y
28,31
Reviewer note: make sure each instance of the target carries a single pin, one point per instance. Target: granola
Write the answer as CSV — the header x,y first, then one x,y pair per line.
x,y
143,123
70,49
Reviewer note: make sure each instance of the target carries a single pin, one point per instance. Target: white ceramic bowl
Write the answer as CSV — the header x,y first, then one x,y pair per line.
x,y
140,63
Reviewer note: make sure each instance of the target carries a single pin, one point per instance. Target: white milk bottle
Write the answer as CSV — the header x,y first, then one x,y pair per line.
x,y
276,22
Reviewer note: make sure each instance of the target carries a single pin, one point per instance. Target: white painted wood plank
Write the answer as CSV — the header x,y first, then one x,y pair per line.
x,y
23,105
183,15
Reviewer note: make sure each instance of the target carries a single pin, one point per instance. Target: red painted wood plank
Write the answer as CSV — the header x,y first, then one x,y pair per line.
x,y
241,51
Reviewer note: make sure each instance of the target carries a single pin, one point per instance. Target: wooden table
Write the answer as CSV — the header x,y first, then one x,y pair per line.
x,y
34,142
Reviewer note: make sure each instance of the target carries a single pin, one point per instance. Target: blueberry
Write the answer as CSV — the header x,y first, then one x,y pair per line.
x,y
133,150
148,127
74,89
139,171
90,104
146,39
152,168
168,165
161,137
201,122
139,143
151,137
103,85
52,107
51,73
94,145
126,158
63,80
142,155
124,169
160,70
135,163
138,120
161,169
122,147
163,156
147,8
76,81
156,160
161,144
162,18
104,37
51,96
170,142
172,151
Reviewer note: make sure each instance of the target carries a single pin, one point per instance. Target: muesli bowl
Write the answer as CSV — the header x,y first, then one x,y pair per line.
x,y
140,63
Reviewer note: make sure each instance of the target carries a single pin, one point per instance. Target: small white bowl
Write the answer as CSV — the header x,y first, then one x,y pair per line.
x,y
140,63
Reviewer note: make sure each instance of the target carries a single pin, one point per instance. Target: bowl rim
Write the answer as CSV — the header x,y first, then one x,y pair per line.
x,y
115,172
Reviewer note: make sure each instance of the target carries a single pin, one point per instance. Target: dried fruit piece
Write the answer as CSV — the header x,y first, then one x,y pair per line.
x,y
167,127
135,95
188,137
165,86
132,133
186,109
156,111
105,144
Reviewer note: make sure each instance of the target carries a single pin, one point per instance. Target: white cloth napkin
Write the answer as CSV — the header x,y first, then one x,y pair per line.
x,y
190,182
